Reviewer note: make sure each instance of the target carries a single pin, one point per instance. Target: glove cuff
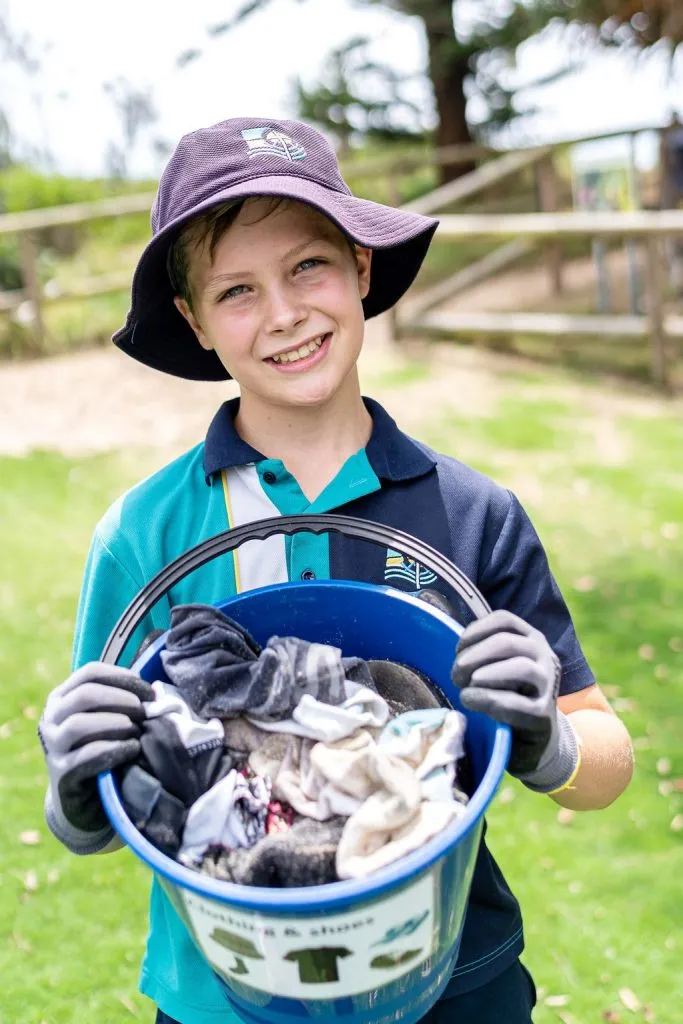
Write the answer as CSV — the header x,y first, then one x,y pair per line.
x,y
75,839
555,772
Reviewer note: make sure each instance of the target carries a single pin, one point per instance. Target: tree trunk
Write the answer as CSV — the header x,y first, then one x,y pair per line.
x,y
447,71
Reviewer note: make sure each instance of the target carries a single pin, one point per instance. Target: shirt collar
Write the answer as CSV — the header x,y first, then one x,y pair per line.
x,y
392,454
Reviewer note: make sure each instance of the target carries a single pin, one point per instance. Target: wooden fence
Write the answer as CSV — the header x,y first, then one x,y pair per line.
x,y
664,332
518,233
26,226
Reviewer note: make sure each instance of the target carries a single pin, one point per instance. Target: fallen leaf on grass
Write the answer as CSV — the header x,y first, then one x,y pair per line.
x,y
646,652
125,1001
30,881
622,704
53,876
665,788
29,838
22,944
649,1015
506,796
585,584
29,712
661,671
629,999
669,531
677,823
556,1000
5,731
676,785
565,816
676,644
611,1016
663,766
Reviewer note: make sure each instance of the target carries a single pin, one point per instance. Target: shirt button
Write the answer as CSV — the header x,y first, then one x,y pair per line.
x,y
269,477
308,574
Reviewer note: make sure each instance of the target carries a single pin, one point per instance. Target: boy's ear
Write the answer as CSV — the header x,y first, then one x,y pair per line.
x,y
183,308
363,262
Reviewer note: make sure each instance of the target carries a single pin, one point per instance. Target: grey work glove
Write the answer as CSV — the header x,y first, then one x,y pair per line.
x,y
507,669
91,724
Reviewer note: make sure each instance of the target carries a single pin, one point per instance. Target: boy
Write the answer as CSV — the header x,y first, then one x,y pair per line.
x,y
263,267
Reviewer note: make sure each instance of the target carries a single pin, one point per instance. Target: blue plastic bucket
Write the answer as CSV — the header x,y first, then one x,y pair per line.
x,y
378,949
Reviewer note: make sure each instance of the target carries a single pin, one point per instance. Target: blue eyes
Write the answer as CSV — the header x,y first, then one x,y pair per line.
x,y
232,293
241,289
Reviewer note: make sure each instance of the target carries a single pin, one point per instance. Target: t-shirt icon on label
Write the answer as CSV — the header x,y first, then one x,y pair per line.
x,y
318,965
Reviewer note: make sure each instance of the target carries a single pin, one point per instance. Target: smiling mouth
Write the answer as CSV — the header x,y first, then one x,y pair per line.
x,y
295,354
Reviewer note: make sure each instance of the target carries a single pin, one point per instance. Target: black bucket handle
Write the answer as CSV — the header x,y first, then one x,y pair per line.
x,y
262,529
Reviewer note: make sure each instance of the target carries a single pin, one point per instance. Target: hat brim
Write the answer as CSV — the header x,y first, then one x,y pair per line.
x,y
156,334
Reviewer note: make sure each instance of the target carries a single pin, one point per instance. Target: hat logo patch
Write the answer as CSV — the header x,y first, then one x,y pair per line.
x,y
271,142
400,567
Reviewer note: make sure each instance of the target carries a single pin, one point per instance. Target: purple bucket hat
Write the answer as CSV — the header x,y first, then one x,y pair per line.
x,y
244,157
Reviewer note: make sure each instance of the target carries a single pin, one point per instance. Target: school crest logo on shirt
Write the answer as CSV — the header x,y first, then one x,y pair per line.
x,y
271,142
400,567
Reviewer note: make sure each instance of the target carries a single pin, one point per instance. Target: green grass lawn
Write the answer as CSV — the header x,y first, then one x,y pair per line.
x,y
602,895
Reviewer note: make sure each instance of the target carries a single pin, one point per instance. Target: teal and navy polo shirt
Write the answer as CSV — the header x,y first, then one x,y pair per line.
x,y
395,480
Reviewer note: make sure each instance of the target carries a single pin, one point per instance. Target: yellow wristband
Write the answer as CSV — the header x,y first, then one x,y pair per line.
x,y
572,777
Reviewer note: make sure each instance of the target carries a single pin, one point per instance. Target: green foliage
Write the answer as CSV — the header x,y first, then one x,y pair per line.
x,y
10,270
24,188
359,99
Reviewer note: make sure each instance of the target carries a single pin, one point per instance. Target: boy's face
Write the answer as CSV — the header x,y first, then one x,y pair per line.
x,y
283,281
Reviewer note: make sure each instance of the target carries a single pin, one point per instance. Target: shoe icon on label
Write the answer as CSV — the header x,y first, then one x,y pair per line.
x,y
399,931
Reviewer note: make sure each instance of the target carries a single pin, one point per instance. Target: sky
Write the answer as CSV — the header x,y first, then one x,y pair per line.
x,y
82,45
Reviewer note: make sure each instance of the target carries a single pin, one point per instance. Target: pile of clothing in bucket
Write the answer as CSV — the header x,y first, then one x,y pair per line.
x,y
289,765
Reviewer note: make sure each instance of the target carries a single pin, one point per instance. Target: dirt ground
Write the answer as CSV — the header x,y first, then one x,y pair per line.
x,y
101,400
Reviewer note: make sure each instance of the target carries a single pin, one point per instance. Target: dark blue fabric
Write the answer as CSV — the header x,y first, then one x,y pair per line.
x,y
484,530
392,454
223,446
507,999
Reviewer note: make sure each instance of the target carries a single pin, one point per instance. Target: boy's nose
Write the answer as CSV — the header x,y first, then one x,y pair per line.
x,y
285,311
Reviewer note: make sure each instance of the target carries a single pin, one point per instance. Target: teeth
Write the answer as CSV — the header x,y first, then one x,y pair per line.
x,y
299,353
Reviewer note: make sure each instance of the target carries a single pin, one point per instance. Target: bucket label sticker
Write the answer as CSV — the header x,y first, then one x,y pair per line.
x,y
318,957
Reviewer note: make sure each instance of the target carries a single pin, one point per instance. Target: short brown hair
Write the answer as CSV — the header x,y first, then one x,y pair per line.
x,y
209,228
206,227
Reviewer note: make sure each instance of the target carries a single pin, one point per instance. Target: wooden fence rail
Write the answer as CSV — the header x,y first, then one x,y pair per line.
x,y
635,224
74,213
664,332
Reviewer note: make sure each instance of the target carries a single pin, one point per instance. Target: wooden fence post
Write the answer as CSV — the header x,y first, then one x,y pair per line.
x,y
29,269
546,183
655,311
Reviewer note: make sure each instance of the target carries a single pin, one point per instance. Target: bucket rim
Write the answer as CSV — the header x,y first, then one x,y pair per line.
x,y
307,899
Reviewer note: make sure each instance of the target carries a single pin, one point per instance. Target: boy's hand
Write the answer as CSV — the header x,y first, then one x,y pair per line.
x,y
90,724
507,669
